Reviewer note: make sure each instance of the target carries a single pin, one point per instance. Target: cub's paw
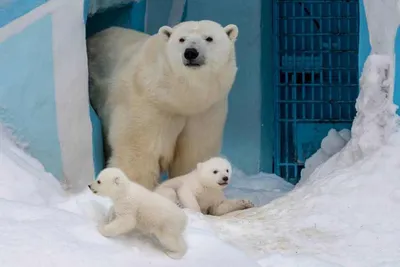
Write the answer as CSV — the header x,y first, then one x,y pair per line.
x,y
179,204
103,230
175,255
245,204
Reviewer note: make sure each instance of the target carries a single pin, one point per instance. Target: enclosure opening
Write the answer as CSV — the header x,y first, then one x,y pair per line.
x,y
315,77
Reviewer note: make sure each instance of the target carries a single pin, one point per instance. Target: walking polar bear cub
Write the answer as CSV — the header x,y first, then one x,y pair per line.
x,y
202,189
162,99
135,207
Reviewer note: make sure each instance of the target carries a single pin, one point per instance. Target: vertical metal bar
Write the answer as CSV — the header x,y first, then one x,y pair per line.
x,y
294,88
277,137
312,104
286,31
303,47
321,44
350,88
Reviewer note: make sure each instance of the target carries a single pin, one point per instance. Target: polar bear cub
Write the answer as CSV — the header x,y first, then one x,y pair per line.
x,y
202,189
135,207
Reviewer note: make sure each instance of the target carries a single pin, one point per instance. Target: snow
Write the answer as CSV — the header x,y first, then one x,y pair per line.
x,y
346,212
330,145
382,29
42,223
261,188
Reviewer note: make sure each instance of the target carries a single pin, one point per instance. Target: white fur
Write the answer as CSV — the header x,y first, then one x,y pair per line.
x,y
159,114
202,189
135,207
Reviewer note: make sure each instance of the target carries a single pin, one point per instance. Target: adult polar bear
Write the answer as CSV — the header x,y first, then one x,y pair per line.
x,y
163,98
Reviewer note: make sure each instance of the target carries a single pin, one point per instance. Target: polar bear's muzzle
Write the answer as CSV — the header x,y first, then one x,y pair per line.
x,y
91,189
224,181
193,58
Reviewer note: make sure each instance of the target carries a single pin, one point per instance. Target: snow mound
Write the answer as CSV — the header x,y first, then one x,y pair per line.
x,y
346,213
330,145
261,188
40,222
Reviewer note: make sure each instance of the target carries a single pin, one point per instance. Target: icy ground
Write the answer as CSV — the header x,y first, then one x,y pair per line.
x,y
343,213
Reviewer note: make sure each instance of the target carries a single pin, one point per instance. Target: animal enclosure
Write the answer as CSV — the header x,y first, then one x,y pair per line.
x,y
315,78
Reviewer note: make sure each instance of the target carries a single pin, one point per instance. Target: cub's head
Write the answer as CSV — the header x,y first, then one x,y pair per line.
x,y
195,45
215,172
109,182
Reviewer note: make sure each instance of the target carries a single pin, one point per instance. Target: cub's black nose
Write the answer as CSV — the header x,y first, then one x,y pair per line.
x,y
225,179
191,53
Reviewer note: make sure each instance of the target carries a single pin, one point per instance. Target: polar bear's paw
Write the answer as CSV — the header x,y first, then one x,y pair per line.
x,y
245,204
175,255
102,230
179,204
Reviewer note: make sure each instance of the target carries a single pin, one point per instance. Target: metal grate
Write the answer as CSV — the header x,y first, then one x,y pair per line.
x,y
316,78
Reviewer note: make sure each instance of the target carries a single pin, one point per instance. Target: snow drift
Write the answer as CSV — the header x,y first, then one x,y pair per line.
x,y
346,213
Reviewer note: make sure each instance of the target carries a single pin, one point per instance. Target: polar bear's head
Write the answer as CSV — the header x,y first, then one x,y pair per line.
x,y
194,45
109,182
215,172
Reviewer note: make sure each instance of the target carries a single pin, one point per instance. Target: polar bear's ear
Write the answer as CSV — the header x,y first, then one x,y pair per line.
x,y
165,32
232,31
116,180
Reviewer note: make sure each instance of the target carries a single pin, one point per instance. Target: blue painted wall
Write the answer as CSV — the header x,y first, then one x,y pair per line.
x,y
29,108
12,9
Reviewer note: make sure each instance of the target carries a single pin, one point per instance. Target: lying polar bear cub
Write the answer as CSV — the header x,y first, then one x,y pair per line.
x,y
137,207
202,189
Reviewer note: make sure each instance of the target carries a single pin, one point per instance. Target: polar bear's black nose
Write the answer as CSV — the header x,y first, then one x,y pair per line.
x,y
225,179
191,53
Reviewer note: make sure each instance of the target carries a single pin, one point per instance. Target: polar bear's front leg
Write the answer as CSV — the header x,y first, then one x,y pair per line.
x,y
187,199
229,205
143,170
120,225
131,153
200,139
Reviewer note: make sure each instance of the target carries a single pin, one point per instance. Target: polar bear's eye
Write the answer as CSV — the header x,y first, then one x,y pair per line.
x,y
182,40
215,172
209,39
227,170
98,181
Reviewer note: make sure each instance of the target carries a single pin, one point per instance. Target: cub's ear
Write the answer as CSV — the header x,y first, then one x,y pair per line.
x,y
232,31
117,180
165,32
